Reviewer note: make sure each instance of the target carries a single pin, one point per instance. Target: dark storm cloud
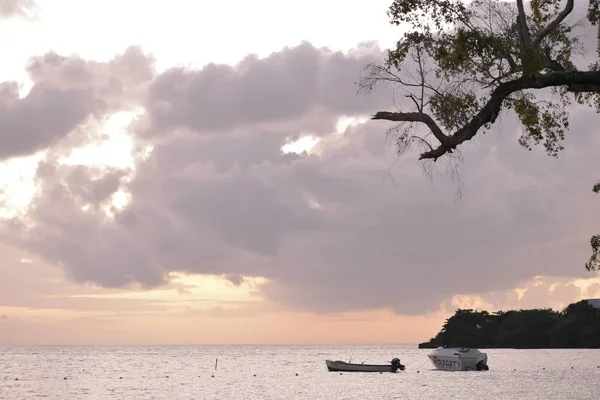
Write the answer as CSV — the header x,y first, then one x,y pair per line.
x,y
66,91
332,232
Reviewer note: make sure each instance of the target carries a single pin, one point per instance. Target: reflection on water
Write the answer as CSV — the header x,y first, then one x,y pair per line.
x,y
279,372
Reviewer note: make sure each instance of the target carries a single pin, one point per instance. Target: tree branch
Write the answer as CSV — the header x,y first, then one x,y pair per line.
x,y
422,140
414,99
413,117
524,34
490,111
552,25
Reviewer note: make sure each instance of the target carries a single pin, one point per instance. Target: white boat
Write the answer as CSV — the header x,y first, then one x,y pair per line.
x,y
342,366
458,359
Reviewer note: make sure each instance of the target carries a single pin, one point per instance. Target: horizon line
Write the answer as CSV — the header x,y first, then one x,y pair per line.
x,y
214,345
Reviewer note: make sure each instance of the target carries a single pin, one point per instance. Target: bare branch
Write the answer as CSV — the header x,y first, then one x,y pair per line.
x,y
373,74
554,24
422,74
414,137
414,99
413,117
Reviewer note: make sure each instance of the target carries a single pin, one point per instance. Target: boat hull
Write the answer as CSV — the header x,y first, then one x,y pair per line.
x,y
341,366
458,359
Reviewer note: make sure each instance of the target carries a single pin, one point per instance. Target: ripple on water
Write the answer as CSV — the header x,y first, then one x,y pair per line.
x,y
278,372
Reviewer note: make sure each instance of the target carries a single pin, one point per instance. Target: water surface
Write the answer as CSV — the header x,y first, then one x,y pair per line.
x,y
269,372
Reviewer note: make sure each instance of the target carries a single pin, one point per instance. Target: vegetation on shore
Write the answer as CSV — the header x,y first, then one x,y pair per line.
x,y
577,326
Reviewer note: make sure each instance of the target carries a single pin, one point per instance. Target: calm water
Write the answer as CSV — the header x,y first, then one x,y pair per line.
x,y
262,372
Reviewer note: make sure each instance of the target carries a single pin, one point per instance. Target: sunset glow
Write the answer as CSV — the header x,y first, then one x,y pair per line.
x,y
165,180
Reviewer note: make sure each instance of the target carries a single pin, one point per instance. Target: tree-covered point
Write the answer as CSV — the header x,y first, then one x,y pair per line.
x,y
577,326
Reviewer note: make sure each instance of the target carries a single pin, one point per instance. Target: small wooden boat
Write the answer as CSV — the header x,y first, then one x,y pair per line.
x,y
341,366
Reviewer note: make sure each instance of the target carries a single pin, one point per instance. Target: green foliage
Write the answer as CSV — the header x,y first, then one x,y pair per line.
x,y
594,262
472,49
526,329
418,13
594,18
463,63
543,121
578,325
454,110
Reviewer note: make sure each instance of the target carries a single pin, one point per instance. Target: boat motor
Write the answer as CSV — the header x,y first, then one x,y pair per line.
x,y
481,366
396,365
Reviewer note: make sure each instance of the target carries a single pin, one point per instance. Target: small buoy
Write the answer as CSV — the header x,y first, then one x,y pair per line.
x,y
254,375
571,367
16,379
296,374
167,376
65,378
544,368
212,376
340,373
120,377
418,372
380,373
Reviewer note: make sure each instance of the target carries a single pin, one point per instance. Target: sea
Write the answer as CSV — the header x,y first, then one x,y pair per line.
x,y
287,372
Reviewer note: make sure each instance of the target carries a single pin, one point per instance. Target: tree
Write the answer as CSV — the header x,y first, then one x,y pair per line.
x,y
577,326
594,262
460,65
527,329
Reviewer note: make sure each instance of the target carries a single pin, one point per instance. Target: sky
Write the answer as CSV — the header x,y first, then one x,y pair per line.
x,y
205,173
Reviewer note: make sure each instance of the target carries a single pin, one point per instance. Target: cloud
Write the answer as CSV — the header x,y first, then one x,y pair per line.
x,y
66,91
538,292
281,87
236,280
9,8
331,231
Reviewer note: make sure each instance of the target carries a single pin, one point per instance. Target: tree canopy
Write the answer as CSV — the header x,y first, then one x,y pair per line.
x,y
460,64
577,326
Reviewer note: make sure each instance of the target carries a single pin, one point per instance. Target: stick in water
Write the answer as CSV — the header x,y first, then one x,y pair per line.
x,y
216,361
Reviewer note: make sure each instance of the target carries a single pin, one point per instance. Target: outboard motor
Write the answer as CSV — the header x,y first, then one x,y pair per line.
x,y
481,366
396,365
